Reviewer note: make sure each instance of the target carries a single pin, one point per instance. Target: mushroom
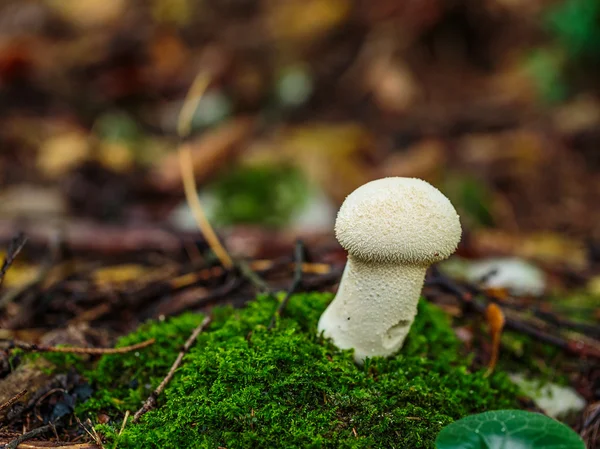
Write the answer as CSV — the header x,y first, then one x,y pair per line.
x,y
393,230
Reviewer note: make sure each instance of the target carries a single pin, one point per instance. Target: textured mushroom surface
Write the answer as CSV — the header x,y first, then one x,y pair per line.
x,y
393,229
398,220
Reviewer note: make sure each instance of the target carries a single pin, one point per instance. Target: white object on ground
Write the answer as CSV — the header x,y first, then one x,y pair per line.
x,y
393,229
517,276
555,400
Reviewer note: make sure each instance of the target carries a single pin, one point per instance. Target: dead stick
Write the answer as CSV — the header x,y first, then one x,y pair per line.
x,y
12,400
466,298
28,436
14,248
53,445
74,350
41,275
151,401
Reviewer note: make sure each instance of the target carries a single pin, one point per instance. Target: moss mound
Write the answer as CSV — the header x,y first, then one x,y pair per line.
x,y
244,386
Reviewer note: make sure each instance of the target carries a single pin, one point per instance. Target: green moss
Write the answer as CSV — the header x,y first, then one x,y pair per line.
x,y
268,195
124,381
242,385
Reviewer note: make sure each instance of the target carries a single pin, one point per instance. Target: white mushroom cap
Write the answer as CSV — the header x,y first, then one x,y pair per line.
x,y
393,220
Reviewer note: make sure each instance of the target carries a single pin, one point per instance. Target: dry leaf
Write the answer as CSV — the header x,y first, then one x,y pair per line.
x,y
116,156
424,160
119,274
60,153
544,247
89,12
306,20
19,273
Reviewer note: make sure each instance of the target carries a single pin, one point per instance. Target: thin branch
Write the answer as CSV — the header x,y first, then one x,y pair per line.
x,y
74,350
298,260
544,315
41,274
91,431
184,125
125,418
12,400
591,418
14,248
190,104
468,301
253,277
551,318
29,435
191,195
53,445
151,401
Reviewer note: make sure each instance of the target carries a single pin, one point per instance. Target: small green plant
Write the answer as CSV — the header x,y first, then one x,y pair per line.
x,y
503,429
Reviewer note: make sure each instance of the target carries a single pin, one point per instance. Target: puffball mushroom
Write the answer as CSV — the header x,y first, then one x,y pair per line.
x,y
393,230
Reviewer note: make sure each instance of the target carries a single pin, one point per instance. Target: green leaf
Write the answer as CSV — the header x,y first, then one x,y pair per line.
x,y
575,25
508,429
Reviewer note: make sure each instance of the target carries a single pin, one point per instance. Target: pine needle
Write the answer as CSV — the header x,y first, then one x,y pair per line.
x,y
184,125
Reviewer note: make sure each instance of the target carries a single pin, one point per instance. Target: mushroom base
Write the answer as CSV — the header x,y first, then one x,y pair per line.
x,y
374,308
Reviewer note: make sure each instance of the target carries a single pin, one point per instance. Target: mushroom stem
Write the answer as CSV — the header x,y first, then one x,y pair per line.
x,y
374,308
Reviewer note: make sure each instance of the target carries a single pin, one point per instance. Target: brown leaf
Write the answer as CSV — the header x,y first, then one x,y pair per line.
x,y
209,152
306,20
544,247
424,160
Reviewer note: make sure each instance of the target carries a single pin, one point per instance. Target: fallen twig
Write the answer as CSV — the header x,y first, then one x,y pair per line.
x,y
468,301
50,444
42,273
75,350
258,282
91,432
12,400
125,418
14,248
29,435
585,328
192,99
299,260
151,401
189,186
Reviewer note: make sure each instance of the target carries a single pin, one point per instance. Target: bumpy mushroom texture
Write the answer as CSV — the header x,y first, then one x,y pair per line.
x,y
393,229
361,316
398,220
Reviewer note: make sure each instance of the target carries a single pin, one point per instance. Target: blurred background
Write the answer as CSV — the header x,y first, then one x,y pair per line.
x,y
493,101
